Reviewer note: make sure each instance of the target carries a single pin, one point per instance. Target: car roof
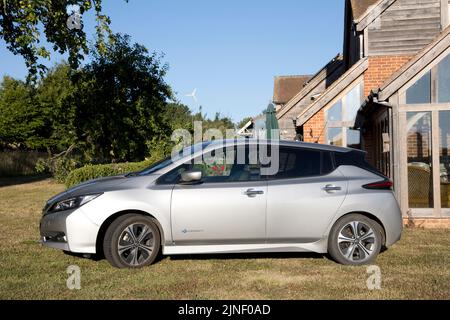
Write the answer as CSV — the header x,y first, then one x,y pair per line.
x,y
285,143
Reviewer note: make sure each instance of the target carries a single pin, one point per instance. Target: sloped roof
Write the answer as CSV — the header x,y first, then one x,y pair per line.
x,y
330,70
398,80
286,87
415,65
360,7
335,89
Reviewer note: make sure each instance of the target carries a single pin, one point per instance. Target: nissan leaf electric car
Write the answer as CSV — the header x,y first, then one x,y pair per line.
x,y
225,197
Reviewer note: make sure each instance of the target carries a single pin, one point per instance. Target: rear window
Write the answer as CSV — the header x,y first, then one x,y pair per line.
x,y
301,163
355,158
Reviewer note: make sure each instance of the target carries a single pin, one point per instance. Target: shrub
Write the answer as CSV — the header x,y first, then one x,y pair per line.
x,y
90,172
59,168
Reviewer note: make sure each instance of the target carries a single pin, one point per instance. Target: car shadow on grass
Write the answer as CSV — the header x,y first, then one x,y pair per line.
x,y
223,257
249,256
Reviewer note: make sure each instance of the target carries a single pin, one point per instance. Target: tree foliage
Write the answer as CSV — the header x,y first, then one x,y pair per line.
x,y
243,122
115,109
37,117
52,96
20,120
24,23
118,100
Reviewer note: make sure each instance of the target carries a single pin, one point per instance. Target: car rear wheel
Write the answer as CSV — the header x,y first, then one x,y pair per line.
x,y
355,240
132,241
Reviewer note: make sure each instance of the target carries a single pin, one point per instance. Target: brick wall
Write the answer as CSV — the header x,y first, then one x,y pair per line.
x,y
314,130
380,69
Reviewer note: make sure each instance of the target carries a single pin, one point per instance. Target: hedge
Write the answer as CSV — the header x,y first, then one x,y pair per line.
x,y
90,172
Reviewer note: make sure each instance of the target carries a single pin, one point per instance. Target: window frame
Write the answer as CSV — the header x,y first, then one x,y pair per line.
x,y
159,181
434,89
434,107
344,125
322,173
262,178
430,90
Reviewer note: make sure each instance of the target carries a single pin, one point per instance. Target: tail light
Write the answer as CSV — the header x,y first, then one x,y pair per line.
x,y
380,185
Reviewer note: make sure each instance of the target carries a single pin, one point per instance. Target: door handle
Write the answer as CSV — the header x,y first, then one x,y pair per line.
x,y
331,188
253,192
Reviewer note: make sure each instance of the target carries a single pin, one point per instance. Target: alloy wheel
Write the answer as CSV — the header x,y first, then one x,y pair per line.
x,y
357,241
136,244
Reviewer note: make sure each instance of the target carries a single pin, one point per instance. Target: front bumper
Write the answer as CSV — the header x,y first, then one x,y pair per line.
x,y
53,230
69,231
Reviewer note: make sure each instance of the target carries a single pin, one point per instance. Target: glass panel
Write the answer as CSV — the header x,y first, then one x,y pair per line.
x,y
335,112
420,177
218,170
353,139
334,137
298,163
444,80
444,157
420,92
353,103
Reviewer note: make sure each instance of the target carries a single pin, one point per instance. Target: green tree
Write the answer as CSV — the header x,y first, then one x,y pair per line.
x,y
219,122
21,122
52,96
37,117
119,98
243,122
23,24
178,116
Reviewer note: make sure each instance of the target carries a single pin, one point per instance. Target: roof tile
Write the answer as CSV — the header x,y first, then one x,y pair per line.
x,y
286,87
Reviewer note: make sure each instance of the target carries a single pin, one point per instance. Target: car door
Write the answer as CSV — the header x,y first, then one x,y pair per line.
x,y
227,207
303,196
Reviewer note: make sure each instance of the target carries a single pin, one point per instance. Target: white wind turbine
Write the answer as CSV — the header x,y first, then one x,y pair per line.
x,y
193,95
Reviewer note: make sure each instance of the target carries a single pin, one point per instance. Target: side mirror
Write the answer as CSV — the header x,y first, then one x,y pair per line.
x,y
191,176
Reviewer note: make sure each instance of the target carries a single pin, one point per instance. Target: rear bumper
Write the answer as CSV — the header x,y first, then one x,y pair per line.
x,y
391,216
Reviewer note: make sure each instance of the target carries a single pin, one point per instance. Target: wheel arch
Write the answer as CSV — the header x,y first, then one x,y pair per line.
x,y
104,227
369,216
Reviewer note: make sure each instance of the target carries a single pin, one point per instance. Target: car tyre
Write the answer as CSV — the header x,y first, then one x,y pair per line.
x,y
132,241
355,240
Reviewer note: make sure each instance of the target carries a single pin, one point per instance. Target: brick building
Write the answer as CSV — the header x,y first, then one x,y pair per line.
x,y
388,94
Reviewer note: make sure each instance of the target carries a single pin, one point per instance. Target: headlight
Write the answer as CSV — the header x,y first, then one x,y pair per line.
x,y
72,203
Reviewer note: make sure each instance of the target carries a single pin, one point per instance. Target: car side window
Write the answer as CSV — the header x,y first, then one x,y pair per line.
x,y
223,167
302,163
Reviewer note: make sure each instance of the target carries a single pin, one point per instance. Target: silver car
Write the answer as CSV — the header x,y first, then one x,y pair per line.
x,y
319,198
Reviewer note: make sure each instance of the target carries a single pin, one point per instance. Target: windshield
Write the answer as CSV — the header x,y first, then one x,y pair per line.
x,y
168,161
155,167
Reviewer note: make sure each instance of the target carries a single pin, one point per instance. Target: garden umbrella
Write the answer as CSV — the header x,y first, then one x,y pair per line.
x,y
272,122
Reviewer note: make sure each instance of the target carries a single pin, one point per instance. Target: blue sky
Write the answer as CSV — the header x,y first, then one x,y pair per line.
x,y
229,50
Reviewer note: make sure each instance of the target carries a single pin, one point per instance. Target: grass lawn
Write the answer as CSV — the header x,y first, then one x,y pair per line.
x,y
418,267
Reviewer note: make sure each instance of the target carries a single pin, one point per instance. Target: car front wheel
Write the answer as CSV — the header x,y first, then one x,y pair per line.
x,y
132,241
355,240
